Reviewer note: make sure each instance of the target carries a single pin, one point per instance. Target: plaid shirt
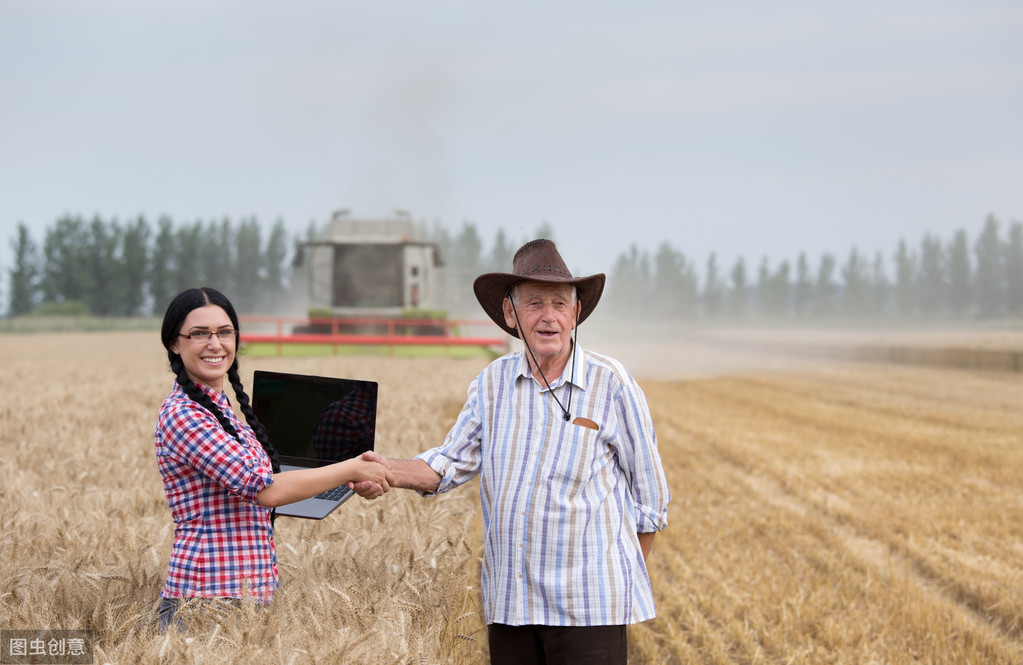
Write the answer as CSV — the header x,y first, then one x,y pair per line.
x,y
223,540
562,502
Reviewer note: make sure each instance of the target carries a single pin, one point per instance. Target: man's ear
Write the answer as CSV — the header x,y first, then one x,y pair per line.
x,y
509,315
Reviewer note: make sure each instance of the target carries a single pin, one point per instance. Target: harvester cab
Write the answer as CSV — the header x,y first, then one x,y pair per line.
x,y
373,272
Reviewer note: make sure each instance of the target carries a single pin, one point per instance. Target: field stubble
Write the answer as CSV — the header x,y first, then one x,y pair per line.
x,y
843,514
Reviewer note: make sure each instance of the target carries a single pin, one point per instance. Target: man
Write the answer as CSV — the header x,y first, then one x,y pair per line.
x,y
571,484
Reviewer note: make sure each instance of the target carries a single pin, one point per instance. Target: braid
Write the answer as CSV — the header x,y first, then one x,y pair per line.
x,y
250,417
197,395
177,311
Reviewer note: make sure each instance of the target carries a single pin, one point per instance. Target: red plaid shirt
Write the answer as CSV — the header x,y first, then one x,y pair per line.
x,y
223,540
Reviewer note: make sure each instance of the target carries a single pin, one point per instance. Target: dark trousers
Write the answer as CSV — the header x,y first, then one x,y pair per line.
x,y
557,645
169,609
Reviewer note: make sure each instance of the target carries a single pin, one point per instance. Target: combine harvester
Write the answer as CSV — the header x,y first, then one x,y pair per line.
x,y
369,282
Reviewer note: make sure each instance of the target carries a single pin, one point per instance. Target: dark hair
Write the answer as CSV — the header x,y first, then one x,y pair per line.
x,y
177,311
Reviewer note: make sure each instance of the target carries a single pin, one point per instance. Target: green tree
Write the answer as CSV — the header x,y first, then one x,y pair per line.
x,y
644,282
689,290
824,286
546,230
1014,269
803,296
219,256
501,253
674,284
879,285
65,265
764,287
990,270
438,235
713,287
102,291
778,290
275,261
134,268
24,275
464,265
738,297
854,282
163,278
313,231
450,284
932,282
468,249
630,282
249,265
959,274
905,278
190,269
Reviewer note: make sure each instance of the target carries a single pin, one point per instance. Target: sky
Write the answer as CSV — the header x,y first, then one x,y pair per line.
x,y
743,128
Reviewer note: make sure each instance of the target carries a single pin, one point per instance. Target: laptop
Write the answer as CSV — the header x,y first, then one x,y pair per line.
x,y
314,421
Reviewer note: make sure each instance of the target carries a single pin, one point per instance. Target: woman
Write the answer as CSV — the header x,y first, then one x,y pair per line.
x,y
219,474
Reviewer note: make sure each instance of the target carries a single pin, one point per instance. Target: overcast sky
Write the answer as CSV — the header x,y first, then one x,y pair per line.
x,y
742,127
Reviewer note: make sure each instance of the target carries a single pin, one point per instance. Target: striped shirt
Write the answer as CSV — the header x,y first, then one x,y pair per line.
x,y
562,503
223,539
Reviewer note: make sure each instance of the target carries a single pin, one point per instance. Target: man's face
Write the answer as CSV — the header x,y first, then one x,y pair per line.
x,y
546,317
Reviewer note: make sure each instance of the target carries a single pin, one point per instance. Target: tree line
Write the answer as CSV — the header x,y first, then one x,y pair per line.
x,y
107,268
955,278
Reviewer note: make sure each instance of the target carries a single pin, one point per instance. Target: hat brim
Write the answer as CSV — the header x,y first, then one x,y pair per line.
x,y
491,288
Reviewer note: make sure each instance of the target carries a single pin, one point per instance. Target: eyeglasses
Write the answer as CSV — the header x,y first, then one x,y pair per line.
x,y
224,335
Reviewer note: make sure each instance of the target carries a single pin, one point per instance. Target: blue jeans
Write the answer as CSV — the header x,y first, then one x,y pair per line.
x,y
169,609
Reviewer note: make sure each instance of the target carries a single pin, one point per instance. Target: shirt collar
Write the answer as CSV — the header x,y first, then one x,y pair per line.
x,y
580,369
220,399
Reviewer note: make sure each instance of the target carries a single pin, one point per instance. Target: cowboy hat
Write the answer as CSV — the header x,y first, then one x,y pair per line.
x,y
539,261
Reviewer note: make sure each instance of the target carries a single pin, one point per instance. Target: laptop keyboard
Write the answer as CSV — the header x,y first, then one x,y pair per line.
x,y
334,494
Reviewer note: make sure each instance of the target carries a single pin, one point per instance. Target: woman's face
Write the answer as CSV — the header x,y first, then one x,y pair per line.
x,y
206,361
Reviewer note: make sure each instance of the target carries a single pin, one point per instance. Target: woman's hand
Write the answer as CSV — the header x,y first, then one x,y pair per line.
x,y
369,468
371,489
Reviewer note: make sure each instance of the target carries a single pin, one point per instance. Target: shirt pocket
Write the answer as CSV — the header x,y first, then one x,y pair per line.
x,y
579,459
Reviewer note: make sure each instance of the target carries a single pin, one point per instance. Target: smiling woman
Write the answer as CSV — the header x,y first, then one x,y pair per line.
x,y
208,348
221,476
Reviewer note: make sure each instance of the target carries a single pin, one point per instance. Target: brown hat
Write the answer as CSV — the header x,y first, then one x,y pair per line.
x,y
537,260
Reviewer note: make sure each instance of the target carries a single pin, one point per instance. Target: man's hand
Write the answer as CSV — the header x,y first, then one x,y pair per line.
x,y
368,489
646,541
414,474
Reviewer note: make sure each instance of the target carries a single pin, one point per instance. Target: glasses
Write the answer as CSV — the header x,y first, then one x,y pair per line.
x,y
224,335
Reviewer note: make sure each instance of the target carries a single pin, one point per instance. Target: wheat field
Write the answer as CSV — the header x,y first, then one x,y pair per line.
x,y
823,514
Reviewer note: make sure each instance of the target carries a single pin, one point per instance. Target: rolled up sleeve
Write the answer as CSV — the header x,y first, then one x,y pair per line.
x,y
458,459
198,440
637,445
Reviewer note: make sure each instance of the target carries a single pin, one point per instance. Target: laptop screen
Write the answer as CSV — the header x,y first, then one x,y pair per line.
x,y
315,420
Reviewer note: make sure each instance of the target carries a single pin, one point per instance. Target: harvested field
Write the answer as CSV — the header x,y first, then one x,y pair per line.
x,y
821,513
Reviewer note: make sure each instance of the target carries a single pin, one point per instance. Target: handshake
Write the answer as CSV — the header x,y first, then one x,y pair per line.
x,y
376,482
407,474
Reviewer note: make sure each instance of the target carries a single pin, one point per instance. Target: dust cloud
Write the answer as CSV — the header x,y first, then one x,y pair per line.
x,y
662,350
